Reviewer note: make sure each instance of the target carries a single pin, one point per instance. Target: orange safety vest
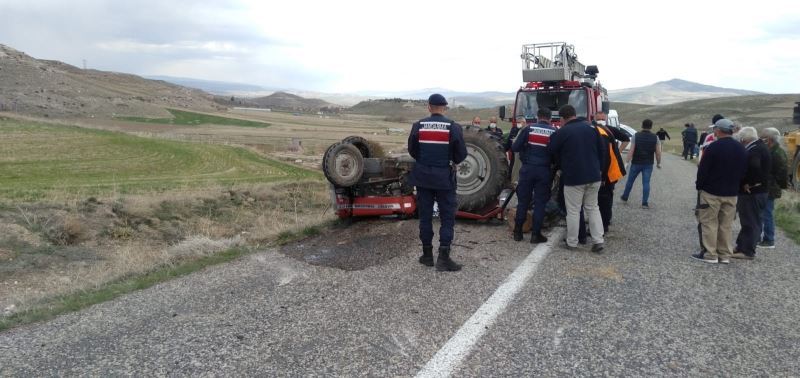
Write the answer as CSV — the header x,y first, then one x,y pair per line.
x,y
613,173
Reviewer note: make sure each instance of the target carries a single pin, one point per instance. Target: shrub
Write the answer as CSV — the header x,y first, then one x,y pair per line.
x,y
68,231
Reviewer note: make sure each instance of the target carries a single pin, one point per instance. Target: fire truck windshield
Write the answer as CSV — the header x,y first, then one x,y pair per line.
x,y
528,103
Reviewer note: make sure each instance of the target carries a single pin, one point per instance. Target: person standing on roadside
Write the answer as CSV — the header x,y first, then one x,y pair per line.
x,y
719,175
535,175
752,193
580,151
437,145
778,180
689,134
709,138
644,148
493,128
476,122
520,123
663,135
613,166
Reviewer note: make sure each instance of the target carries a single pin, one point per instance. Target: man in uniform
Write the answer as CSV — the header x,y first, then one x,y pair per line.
x,y
534,177
437,145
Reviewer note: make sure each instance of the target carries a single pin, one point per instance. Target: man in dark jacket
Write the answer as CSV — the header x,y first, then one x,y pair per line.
x,y
520,123
493,128
534,177
437,145
778,180
580,151
752,194
663,135
689,134
718,177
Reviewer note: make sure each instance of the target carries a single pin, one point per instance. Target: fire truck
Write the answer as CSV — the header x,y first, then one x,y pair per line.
x,y
554,77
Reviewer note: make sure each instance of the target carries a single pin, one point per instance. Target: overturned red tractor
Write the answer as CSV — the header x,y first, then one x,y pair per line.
x,y
364,185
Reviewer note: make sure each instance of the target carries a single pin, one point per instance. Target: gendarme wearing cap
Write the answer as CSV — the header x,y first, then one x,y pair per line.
x,y
437,100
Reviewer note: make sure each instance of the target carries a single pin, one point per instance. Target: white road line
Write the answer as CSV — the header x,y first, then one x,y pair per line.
x,y
458,347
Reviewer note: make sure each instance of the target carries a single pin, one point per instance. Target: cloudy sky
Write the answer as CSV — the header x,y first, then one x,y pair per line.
x,y
357,46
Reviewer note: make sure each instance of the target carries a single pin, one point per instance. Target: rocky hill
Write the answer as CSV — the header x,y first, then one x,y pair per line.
x,y
288,101
673,91
55,89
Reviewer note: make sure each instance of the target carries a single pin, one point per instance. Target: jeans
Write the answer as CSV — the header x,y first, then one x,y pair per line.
x,y
768,219
646,170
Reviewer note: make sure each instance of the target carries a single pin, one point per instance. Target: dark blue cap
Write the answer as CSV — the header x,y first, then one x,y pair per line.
x,y
437,100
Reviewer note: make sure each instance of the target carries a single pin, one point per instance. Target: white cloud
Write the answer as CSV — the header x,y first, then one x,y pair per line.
x,y
389,46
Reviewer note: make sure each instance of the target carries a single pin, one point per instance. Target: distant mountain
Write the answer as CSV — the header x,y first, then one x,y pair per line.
x,y
288,101
52,88
673,91
215,87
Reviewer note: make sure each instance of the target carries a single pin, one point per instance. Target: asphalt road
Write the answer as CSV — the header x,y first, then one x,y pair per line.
x,y
355,302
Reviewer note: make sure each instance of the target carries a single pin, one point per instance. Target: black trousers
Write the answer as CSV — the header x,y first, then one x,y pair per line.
x,y
688,149
750,207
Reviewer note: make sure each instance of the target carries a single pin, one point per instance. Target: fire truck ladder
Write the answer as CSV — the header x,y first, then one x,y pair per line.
x,y
553,61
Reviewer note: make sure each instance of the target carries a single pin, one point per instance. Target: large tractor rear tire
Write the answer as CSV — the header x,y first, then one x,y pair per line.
x,y
343,164
362,145
484,173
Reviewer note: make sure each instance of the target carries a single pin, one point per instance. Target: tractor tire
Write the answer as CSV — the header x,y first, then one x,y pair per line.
x,y
343,164
484,173
361,144
794,172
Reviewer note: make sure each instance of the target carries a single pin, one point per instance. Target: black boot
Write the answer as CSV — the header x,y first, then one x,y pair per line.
x,y
517,232
444,264
427,255
537,237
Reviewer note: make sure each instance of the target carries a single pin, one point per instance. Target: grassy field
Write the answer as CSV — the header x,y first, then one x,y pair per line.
x,y
86,214
787,214
37,158
182,117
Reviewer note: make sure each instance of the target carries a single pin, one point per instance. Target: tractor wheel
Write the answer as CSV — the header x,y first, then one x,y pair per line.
x,y
795,171
361,144
343,164
484,173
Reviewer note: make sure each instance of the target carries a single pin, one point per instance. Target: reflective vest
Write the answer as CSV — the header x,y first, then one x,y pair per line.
x,y
613,172
434,142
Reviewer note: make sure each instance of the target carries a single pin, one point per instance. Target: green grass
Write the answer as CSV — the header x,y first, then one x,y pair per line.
x,y
37,159
76,301
787,214
182,117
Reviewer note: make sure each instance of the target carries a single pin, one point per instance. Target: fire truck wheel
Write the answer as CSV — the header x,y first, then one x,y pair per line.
x,y
361,144
484,173
343,164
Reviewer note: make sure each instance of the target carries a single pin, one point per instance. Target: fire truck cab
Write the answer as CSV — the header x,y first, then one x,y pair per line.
x,y
553,78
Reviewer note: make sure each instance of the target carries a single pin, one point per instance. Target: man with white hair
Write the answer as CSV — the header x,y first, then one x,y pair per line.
x,y
778,179
752,193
